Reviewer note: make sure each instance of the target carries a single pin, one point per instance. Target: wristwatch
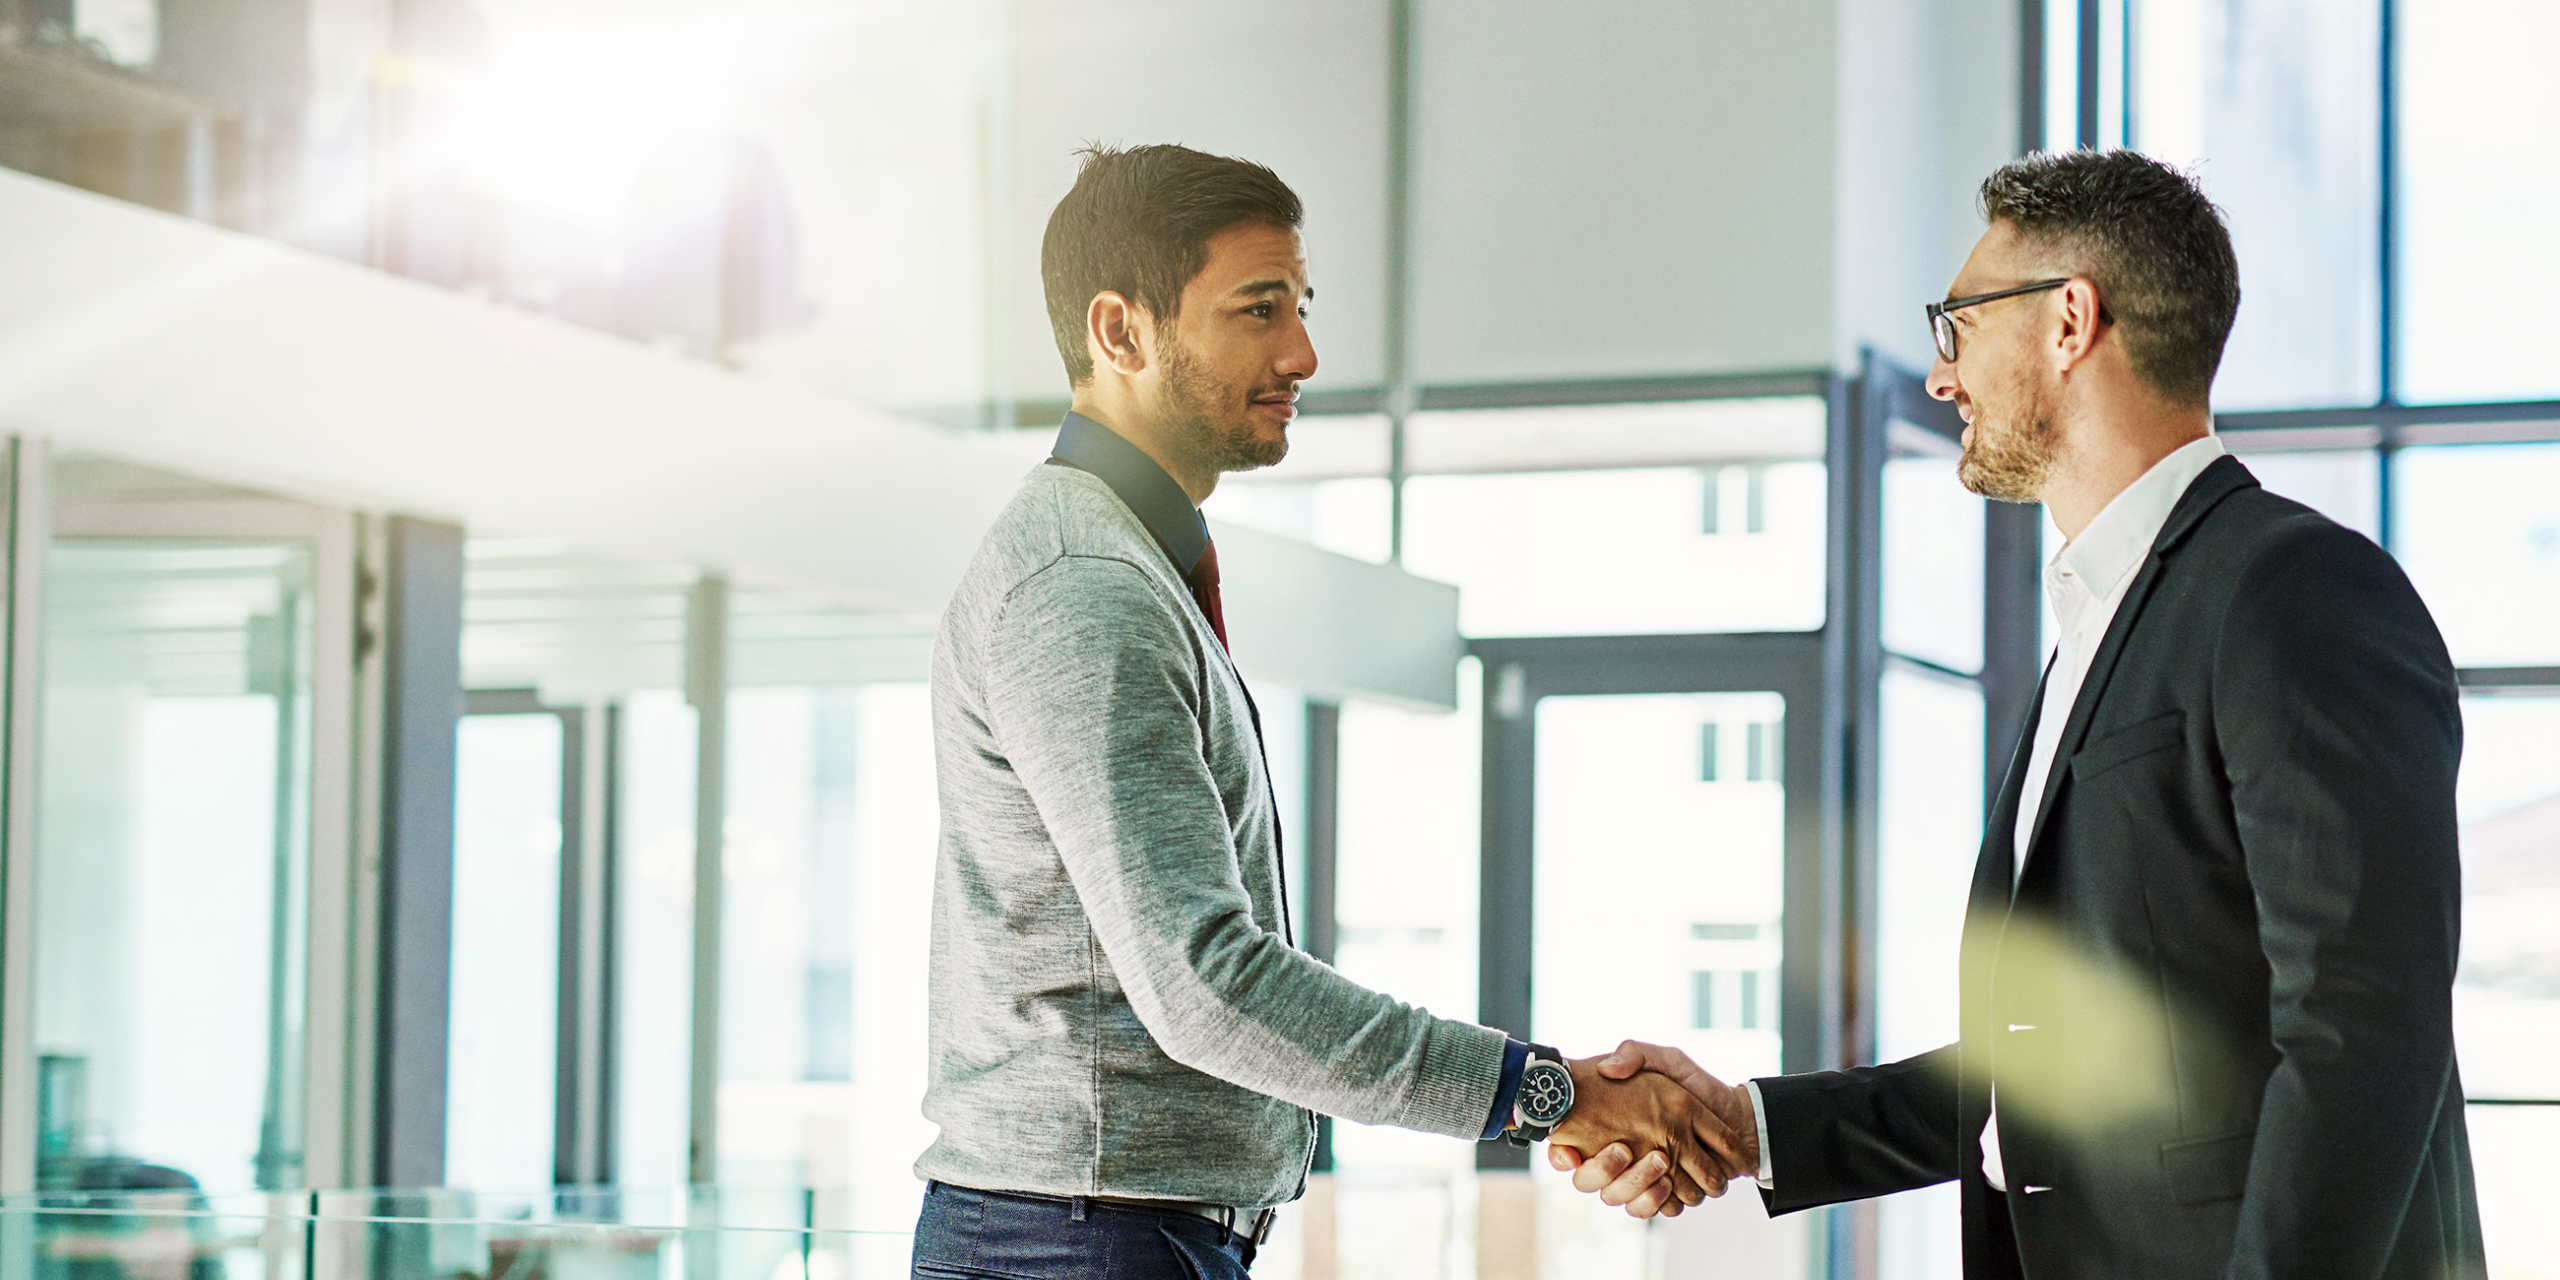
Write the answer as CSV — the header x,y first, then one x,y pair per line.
x,y
1546,1095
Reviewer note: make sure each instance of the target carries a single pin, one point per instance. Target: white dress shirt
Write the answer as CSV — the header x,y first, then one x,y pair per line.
x,y
2085,583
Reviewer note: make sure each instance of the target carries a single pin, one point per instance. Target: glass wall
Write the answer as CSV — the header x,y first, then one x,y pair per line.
x,y
502,1084
1928,834
1660,857
1405,908
172,845
829,869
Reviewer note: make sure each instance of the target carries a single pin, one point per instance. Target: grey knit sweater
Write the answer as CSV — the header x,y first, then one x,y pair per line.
x,y
1115,1007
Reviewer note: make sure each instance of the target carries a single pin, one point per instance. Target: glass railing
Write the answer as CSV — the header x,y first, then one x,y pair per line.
x,y
389,1234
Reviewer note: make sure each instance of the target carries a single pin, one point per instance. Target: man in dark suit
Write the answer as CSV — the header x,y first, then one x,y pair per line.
x,y
2208,962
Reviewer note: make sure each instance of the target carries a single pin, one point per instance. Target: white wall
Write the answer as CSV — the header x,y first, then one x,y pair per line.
x,y
1298,85
1928,108
1623,187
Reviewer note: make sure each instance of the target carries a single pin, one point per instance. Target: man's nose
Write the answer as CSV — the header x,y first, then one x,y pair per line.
x,y
1298,362
1942,379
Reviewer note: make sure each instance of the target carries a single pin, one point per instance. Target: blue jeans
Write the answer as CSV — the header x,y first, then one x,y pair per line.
x,y
969,1235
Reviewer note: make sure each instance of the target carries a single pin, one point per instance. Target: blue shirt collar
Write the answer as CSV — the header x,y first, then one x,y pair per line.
x,y
1152,493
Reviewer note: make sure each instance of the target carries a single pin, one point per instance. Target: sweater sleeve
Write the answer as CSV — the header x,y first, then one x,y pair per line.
x,y
1093,693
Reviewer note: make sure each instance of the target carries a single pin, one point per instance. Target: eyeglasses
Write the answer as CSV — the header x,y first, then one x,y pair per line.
x,y
1943,327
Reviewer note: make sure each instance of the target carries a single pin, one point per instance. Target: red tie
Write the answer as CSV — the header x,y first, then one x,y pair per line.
x,y
1204,590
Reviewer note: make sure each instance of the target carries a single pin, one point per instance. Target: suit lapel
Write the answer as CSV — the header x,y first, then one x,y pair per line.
x,y
2210,487
1997,870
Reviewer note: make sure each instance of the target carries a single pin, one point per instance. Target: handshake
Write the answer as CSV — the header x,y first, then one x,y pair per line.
x,y
1652,1132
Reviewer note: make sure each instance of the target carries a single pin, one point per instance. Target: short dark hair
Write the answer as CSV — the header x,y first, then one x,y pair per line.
x,y
1138,223
2155,246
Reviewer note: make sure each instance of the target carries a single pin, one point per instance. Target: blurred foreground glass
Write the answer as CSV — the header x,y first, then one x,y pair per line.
x,y
2478,160
1660,854
2478,529
172,844
600,1234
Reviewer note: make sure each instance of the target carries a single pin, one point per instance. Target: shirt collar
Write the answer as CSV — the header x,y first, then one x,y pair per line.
x,y
2089,568
1151,493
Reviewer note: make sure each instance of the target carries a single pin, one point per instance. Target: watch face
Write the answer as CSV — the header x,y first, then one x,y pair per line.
x,y
1546,1093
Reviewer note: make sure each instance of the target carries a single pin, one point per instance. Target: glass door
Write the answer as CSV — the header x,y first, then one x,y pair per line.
x,y
187,997
1665,794
172,855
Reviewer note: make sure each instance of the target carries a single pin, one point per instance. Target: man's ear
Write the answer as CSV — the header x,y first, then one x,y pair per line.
x,y
2076,334
1111,332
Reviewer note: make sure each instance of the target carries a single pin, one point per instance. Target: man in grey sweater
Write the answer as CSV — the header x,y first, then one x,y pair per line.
x,y
1127,1045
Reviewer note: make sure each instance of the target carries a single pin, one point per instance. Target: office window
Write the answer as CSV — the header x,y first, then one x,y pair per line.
x,y
654,941
1405,904
1760,752
2342,484
1933,547
1928,832
502,1084
2477,163
2506,1011
1590,520
1734,500
2478,529
1707,753
2274,105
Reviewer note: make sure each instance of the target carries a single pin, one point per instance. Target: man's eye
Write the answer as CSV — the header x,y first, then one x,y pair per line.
x,y
1302,313
1262,309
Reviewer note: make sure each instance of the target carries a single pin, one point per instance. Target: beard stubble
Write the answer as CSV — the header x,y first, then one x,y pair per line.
x,y
2011,461
1215,434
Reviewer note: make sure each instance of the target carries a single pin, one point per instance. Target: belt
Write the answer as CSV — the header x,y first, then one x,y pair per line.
x,y
1252,1224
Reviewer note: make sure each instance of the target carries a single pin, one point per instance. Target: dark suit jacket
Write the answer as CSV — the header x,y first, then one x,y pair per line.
x,y
2218,1004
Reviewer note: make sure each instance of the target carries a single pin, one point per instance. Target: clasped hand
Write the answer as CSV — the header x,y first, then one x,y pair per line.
x,y
1653,1132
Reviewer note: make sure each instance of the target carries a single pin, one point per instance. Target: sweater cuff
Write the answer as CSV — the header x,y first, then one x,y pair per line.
x,y
1515,1059
1460,1073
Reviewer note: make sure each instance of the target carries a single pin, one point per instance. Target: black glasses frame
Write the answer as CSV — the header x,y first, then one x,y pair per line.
x,y
1943,329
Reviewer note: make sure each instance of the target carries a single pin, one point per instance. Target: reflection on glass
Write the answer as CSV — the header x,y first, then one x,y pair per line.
x,y
1659,863
2342,484
2273,104
1928,833
501,1084
172,847
2507,994
2478,528
1405,905
1933,531
2477,158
